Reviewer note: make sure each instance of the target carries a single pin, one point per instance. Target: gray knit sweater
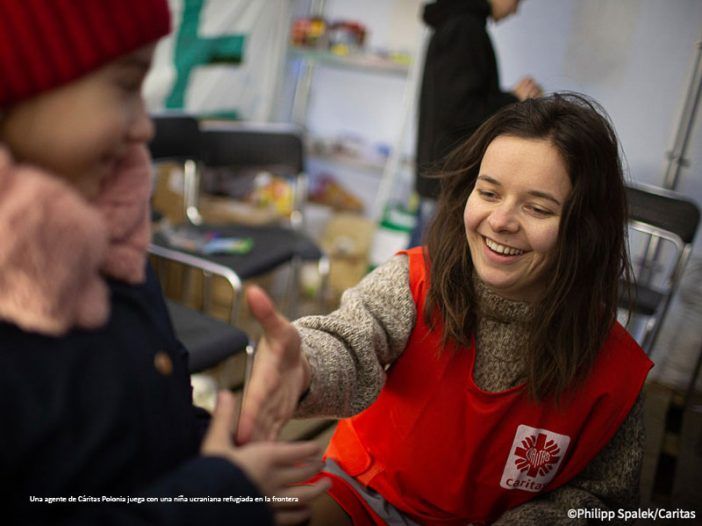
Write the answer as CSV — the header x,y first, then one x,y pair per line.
x,y
350,349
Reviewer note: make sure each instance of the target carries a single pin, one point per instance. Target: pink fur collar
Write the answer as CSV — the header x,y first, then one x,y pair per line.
x,y
55,247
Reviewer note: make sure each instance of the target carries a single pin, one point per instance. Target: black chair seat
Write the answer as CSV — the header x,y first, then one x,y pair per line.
x,y
272,247
667,211
645,300
208,340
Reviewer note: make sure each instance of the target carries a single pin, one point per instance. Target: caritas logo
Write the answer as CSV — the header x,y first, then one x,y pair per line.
x,y
534,458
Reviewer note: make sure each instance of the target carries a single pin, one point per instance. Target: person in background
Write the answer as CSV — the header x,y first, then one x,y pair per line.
x,y
94,386
482,378
460,88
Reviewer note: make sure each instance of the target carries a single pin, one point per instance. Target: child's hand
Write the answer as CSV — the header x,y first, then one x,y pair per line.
x,y
280,373
271,466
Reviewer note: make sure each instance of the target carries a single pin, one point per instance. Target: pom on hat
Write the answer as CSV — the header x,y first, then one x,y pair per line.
x,y
47,43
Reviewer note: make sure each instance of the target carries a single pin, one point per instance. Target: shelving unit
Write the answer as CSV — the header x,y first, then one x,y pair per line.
x,y
383,171
366,62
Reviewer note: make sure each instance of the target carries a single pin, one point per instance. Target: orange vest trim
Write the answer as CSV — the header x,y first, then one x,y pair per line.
x,y
445,452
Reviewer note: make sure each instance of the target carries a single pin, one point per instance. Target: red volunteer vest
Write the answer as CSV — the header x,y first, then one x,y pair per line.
x,y
445,452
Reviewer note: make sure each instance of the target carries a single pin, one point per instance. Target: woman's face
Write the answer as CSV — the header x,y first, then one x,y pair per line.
x,y
513,214
81,130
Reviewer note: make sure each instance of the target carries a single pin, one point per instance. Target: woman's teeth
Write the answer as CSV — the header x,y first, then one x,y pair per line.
x,y
502,249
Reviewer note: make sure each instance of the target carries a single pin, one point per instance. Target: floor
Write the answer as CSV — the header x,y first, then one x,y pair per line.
x,y
671,477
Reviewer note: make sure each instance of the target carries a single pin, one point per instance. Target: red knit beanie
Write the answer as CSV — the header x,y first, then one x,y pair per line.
x,y
47,43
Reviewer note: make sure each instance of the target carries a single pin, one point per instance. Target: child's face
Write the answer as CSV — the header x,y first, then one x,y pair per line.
x,y
512,215
79,131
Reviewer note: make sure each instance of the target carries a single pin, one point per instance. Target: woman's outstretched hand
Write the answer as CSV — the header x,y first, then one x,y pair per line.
x,y
280,373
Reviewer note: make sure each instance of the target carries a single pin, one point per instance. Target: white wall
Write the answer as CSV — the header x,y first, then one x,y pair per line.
x,y
633,56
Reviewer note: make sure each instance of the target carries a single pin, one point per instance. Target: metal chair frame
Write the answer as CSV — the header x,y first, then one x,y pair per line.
x,y
208,269
656,235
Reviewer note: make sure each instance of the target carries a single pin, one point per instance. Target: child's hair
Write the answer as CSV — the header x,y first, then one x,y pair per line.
x,y
579,304
47,43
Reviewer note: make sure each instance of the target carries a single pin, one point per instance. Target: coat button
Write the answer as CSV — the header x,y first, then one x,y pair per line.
x,y
163,363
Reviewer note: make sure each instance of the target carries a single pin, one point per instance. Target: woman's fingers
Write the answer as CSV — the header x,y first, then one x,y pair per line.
x,y
273,324
272,393
253,414
266,410
262,401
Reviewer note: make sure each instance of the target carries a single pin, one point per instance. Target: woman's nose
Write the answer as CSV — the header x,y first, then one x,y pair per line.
x,y
503,219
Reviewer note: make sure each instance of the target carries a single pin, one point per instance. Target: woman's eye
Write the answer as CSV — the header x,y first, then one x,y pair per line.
x,y
486,194
539,211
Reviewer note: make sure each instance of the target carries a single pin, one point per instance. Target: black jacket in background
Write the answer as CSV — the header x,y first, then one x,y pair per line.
x,y
460,85
89,414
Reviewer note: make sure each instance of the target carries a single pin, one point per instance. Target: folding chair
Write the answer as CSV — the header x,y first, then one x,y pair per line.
x,y
209,341
662,226
252,146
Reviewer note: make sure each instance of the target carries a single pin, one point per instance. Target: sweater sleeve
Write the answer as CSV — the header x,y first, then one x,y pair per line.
x,y
349,349
609,482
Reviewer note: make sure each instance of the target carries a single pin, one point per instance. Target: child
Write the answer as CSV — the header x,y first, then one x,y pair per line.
x,y
94,386
489,379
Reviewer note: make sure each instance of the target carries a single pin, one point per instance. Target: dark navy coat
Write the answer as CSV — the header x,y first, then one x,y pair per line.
x,y
108,413
460,84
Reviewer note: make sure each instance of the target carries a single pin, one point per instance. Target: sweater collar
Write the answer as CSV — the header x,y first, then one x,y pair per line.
x,y
490,305
57,248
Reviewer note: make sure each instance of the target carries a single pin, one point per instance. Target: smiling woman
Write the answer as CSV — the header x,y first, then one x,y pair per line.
x,y
536,179
484,378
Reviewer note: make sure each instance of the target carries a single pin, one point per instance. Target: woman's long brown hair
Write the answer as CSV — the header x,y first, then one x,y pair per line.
x,y
578,306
